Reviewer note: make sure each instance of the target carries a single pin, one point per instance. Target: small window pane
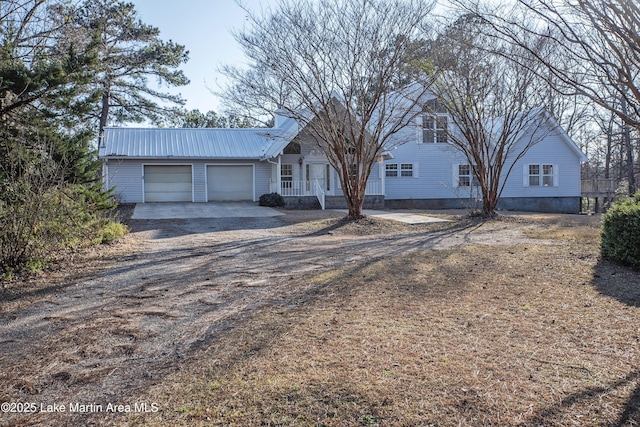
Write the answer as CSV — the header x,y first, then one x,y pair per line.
x,y
463,170
428,124
547,169
534,169
428,121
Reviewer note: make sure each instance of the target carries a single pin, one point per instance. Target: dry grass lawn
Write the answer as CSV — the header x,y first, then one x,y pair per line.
x,y
540,334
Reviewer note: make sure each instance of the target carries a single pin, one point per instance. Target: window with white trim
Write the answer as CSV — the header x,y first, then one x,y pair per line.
x,y
534,175
286,172
547,175
406,169
434,128
391,169
541,175
467,176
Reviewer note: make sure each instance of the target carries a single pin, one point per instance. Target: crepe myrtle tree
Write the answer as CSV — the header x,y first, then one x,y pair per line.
x,y
339,68
599,45
491,103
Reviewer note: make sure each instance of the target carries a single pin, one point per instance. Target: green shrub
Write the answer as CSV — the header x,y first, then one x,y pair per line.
x,y
621,232
110,232
272,200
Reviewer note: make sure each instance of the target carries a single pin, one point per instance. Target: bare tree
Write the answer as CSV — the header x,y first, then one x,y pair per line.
x,y
599,44
493,103
335,67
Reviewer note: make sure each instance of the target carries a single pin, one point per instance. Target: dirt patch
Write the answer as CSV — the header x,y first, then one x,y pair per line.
x,y
180,294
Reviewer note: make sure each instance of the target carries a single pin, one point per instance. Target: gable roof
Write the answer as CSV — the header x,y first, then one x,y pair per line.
x,y
531,117
564,136
196,143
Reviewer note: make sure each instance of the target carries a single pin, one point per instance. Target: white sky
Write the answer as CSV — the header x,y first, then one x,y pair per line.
x,y
203,27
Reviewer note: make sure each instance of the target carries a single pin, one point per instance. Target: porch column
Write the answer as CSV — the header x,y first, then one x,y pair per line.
x,y
278,188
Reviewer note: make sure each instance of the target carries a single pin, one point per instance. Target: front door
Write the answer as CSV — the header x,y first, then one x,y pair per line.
x,y
318,172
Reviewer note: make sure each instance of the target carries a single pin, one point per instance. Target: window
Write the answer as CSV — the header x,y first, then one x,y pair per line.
x,y
286,172
392,169
292,148
328,178
547,175
286,176
541,175
434,128
467,176
534,175
406,169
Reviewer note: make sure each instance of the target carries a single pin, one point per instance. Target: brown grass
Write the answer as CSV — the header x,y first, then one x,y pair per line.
x,y
485,335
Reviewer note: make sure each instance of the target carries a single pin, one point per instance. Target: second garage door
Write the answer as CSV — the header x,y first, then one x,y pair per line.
x,y
229,182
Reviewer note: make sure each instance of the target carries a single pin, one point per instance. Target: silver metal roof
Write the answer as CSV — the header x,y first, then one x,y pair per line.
x,y
216,143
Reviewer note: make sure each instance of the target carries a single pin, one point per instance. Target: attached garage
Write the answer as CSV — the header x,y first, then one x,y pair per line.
x,y
191,165
168,183
230,182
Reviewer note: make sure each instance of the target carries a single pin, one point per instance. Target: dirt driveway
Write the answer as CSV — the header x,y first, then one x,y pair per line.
x,y
109,326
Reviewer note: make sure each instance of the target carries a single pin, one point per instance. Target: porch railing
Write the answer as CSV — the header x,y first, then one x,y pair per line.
x,y
293,188
319,193
374,188
598,186
308,188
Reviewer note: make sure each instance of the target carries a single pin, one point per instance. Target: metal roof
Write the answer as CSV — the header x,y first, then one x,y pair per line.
x,y
257,143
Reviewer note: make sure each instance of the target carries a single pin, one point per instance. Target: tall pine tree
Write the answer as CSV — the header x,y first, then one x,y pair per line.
x,y
130,53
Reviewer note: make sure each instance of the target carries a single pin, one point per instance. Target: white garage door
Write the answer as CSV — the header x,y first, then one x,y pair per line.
x,y
168,183
229,182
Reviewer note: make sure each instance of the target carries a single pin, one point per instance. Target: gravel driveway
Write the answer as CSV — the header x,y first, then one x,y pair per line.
x,y
173,288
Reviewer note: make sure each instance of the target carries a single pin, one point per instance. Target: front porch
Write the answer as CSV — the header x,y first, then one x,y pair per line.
x,y
331,202
314,193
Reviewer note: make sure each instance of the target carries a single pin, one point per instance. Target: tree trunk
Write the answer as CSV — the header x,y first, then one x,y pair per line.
x,y
104,113
626,131
355,201
607,159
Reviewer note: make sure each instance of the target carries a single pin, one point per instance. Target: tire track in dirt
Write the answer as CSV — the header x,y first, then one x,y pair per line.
x,y
109,336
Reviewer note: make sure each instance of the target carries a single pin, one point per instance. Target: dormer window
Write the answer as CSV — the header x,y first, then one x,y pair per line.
x,y
434,129
434,123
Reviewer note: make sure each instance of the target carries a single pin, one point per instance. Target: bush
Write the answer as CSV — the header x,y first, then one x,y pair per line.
x,y
272,200
111,232
621,232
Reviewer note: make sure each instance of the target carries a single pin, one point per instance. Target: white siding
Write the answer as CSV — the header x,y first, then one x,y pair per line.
x,y
199,177
263,176
437,176
434,163
551,151
125,176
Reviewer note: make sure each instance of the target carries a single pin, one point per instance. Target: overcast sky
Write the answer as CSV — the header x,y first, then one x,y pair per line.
x,y
203,26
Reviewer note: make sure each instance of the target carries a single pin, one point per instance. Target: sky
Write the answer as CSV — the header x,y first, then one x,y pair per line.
x,y
204,28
